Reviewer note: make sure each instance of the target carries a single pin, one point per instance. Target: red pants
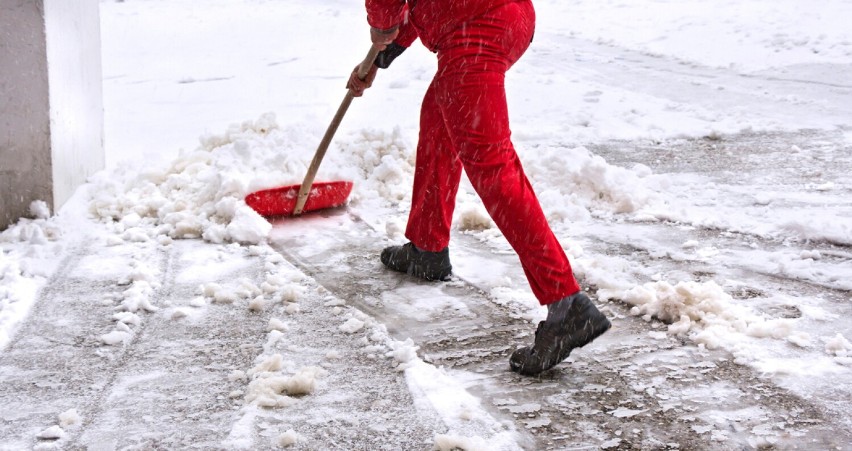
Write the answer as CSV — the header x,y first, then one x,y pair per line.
x,y
464,123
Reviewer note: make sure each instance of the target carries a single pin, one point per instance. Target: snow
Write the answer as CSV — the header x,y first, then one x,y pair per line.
x,y
240,106
70,418
751,36
460,411
277,324
838,346
689,306
52,433
267,390
352,325
116,337
290,437
445,442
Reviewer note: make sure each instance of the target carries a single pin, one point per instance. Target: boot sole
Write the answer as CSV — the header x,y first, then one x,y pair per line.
x,y
416,271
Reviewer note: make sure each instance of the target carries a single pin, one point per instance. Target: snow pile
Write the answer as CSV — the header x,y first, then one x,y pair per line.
x,y
574,183
450,442
28,255
200,195
281,286
702,311
38,231
133,300
242,289
52,433
273,382
138,287
70,418
474,218
272,363
404,353
143,281
838,346
271,389
277,324
385,164
376,341
288,438
352,325
17,294
471,427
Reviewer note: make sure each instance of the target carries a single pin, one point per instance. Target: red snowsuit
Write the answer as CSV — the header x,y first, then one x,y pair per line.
x,y
464,123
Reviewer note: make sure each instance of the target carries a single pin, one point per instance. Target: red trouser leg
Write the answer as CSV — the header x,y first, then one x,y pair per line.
x,y
465,119
437,173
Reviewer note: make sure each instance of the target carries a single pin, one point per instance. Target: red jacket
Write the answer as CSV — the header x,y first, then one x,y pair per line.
x,y
431,20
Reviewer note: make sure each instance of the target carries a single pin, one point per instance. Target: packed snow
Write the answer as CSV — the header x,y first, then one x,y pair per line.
x,y
242,102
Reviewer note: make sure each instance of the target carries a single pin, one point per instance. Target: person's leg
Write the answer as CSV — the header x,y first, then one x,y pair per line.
x,y
470,91
436,180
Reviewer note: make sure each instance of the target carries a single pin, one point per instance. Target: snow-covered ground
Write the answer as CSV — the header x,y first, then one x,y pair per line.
x,y
694,159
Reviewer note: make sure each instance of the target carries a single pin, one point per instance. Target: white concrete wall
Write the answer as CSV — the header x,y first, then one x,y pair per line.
x,y
76,96
51,102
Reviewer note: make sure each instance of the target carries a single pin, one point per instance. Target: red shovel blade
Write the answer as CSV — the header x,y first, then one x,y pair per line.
x,y
282,201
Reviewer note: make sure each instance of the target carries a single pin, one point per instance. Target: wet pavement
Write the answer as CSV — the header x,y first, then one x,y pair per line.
x,y
172,384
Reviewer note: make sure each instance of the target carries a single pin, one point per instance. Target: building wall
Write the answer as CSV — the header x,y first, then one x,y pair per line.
x,y
25,161
76,93
51,102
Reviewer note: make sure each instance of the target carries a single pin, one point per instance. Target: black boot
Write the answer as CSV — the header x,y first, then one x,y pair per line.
x,y
571,323
423,264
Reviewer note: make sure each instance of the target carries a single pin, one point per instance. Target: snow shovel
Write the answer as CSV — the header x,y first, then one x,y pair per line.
x,y
309,196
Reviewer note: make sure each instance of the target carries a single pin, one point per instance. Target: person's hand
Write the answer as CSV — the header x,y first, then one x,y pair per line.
x,y
358,86
381,38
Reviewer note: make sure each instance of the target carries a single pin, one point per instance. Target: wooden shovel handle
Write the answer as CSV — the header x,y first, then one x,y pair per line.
x,y
305,189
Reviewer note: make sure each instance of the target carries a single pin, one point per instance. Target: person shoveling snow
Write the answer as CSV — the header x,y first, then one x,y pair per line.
x,y
464,124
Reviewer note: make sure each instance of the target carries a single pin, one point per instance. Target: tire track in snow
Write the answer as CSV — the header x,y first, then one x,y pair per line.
x,y
46,376
170,387
165,387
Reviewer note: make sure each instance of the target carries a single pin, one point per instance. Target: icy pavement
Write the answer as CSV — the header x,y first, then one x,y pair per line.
x,y
195,371
724,261
149,342
634,388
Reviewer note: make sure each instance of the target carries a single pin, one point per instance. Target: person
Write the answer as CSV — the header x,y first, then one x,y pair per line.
x,y
464,123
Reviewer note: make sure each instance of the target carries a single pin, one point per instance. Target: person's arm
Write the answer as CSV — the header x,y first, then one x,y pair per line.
x,y
393,40
385,15
407,35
